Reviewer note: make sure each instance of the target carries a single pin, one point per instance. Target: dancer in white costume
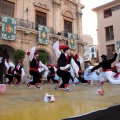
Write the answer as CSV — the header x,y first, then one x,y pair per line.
x,y
79,61
90,77
117,75
10,71
106,66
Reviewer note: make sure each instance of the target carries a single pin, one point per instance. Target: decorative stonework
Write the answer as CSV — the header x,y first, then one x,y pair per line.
x,y
42,4
79,9
69,5
68,14
57,2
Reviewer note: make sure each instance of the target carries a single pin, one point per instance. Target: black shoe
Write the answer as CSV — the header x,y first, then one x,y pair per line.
x,y
28,85
56,87
67,89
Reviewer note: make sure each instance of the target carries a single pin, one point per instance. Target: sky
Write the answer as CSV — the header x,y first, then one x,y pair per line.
x,y
89,18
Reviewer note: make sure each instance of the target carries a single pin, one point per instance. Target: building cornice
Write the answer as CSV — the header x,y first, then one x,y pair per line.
x,y
41,4
105,5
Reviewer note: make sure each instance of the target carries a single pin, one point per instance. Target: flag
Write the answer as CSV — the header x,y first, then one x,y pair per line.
x,y
9,28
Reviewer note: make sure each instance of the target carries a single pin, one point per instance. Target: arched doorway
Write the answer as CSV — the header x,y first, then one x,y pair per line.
x,y
6,52
49,57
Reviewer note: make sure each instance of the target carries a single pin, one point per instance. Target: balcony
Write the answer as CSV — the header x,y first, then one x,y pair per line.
x,y
65,34
29,25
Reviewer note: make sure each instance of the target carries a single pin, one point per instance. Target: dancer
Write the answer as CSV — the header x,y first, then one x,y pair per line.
x,y
19,72
79,61
51,75
90,77
10,72
43,70
34,65
64,62
106,66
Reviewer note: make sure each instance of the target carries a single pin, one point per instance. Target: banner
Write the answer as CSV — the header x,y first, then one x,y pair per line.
x,y
9,28
71,41
43,34
118,48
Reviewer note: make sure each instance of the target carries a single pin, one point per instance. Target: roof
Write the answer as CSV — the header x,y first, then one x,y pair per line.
x,y
104,5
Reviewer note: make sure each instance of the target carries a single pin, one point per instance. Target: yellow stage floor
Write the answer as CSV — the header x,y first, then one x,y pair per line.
x,y
19,103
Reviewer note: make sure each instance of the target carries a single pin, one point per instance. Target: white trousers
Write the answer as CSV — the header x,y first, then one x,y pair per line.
x,y
109,75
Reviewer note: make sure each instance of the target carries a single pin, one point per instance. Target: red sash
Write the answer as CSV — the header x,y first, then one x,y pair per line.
x,y
34,69
107,70
116,75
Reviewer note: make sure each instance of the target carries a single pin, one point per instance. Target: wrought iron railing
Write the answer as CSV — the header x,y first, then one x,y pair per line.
x,y
65,34
29,25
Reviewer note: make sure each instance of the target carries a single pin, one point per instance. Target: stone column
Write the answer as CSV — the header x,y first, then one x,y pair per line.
x,y
79,21
56,20
56,16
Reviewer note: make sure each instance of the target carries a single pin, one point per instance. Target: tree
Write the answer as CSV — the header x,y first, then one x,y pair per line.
x,y
43,57
19,55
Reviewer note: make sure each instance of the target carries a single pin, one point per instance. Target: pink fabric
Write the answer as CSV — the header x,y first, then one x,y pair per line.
x,y
2,88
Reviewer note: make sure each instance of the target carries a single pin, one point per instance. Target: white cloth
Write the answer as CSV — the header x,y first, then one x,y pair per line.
x,y
74,66
43,67
49,98
9,64
32,51
66,67
56,49
80,59
93,76
23,72
72,72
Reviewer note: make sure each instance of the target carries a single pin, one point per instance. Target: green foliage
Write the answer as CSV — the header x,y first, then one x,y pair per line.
x,y
43,57
19,55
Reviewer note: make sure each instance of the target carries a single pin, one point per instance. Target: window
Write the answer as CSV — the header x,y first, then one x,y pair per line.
x,y
110,50
109,33
7,8
67,27
92,55
92,50
41,18
107,13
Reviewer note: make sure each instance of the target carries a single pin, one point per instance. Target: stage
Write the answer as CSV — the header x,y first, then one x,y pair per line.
x,y
27,103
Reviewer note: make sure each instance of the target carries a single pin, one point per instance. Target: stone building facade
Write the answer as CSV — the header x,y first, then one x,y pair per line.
x,y
58,15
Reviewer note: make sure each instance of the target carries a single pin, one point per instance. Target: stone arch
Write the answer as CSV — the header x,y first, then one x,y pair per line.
x,y
8,44
49,55
6,51
68,13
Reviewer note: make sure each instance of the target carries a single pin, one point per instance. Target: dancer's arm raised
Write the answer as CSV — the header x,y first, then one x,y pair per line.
x,y
56,49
